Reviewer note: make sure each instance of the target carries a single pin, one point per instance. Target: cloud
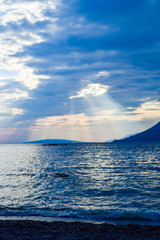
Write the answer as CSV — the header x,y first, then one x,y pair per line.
x,y
33,11
17,111
93,89
7,100
74,120
28,78
102,74
146,111
10,111
17,95
63,121
19,30
11,43
17,35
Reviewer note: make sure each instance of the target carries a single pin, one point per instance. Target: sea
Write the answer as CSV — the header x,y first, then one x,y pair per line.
x,y
97,182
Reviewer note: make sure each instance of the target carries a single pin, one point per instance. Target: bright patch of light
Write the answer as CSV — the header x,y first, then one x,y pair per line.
x,y
18,94
33,11
151,105
27,77
63,121
17,111
10,111
147,110
102,74
93,89
13,42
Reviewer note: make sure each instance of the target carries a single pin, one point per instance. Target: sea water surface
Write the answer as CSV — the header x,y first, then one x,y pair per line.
x,y
96,182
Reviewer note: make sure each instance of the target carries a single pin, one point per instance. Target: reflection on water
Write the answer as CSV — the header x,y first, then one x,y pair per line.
x,y
80,179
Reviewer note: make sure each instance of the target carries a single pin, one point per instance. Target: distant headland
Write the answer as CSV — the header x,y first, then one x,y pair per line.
x,y
150,135
52,141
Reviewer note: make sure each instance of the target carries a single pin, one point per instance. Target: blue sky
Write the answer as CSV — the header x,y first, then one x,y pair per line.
x,y
82,70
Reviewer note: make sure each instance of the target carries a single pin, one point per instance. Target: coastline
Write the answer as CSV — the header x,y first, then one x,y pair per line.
x,y
57,230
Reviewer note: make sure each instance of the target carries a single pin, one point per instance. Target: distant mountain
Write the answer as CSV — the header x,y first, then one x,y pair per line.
x,y
58,141
128,135
149,135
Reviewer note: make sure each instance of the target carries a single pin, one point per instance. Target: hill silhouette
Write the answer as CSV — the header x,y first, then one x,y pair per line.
x,y
149,135
58,141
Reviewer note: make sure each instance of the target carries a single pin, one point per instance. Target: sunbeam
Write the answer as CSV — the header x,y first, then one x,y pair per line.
x,y
102,115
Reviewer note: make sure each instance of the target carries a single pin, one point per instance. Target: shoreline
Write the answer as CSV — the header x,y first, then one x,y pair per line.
x,y
32,229
49,219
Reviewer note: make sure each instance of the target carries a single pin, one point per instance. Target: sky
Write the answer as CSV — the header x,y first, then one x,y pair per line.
x,y
78,69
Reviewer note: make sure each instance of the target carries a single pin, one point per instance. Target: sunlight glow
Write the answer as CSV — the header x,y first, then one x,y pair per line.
x,y
95,116
93,89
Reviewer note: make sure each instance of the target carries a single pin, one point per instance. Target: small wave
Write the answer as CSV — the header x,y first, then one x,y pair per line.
x,y
54,175
133,215
61,175
102,193
137,216
157,169
151,215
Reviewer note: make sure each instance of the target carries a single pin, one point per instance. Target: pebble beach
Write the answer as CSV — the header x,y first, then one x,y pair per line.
x,y
38,230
